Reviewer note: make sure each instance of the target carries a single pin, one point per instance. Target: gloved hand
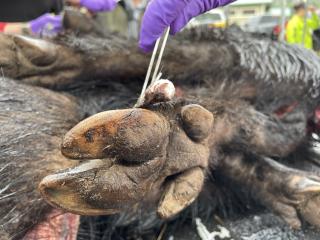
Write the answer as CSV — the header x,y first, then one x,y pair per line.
x,y
47,24
99,5
174,13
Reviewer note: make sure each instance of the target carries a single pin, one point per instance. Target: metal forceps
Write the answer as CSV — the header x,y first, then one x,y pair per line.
x,y
156,74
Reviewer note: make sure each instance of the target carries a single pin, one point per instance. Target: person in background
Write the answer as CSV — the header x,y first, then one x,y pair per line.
x,y
161,14
50,24
300,27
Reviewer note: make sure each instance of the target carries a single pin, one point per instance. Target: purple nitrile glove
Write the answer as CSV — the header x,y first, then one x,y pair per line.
x,y
99,5
161,14
47,24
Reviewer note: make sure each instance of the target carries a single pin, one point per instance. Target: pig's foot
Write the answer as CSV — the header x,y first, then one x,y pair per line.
x,y
296,197
154,156
38,62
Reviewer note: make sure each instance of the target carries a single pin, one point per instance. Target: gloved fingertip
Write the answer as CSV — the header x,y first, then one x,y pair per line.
x,y
115,3
173,31
59,17
145,49
177,25
113,7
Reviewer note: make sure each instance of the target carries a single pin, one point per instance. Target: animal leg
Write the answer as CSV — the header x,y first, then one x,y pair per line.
x,y
292,194
240,126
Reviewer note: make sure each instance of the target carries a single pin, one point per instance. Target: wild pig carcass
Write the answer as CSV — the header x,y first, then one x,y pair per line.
x,y
238,124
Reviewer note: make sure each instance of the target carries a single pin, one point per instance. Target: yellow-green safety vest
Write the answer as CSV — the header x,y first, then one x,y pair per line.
x,y
296,28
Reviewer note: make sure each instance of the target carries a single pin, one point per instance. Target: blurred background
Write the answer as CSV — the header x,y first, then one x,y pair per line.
x,y
294,21
266,17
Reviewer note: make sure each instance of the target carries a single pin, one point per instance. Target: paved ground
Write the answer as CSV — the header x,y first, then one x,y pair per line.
x,y
255,227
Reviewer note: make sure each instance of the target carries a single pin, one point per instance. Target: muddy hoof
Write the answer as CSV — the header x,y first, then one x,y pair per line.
x,y
311,211
133,158
297,198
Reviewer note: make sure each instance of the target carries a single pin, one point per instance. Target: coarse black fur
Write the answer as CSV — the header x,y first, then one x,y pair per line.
x,y
231,62
32,123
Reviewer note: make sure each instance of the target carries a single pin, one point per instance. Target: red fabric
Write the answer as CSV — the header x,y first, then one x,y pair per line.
x,y
2,26
57,226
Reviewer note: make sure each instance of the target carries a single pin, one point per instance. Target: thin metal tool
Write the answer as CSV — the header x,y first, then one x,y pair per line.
x,y
156,75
